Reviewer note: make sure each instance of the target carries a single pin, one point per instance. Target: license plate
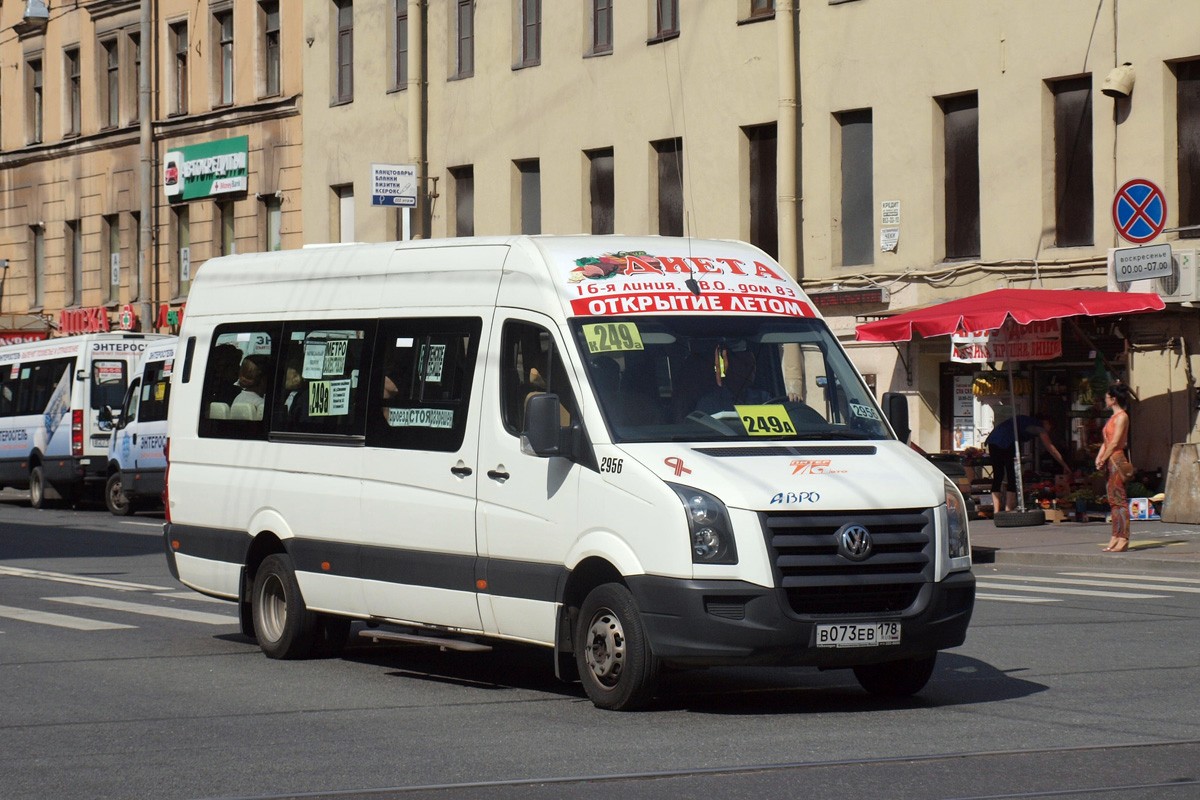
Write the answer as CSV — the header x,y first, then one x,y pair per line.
x,y
858,634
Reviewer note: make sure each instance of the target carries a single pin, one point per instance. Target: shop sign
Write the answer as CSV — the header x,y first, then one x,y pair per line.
x,y
850,297
207,169
1037,341
169,319
21,337
95,320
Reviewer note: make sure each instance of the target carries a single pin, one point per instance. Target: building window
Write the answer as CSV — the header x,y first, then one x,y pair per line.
x,y
666,15
111,263
464,63
762,8
74,91
400,31
762,145
36,101
73,242
343,213
37,258
225,233
223,62
181,252
1073,214
1187,110
268,18
961,128
344,82
602,26
668,156
529,176
111,84
133,81
857,188
601,190
272,224
464,200
531,33
179,84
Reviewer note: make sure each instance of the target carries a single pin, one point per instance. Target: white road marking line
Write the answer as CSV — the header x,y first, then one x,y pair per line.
x,y
59,620
1006,599
181,614
82,580
1156,578
187,594
1128,584
1055,590
142,524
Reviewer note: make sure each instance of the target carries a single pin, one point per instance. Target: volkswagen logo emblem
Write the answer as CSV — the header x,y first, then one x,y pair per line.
x,y
854,542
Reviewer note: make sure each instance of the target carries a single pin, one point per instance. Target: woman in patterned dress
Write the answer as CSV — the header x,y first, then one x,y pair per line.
x,y
1110,457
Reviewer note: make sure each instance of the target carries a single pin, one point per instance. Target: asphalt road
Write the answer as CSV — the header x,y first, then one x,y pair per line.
x,y
119,683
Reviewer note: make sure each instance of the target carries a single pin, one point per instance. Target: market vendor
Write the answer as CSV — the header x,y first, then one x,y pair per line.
x,y
1001,448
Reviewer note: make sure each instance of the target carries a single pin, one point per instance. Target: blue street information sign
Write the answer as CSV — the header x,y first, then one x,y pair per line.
x,y
1139,211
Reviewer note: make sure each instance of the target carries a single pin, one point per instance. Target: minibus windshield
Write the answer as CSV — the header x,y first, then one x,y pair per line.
x,y
725,378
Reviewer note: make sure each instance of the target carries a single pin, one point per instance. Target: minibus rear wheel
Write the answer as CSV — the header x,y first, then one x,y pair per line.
x,y
616,665
283,625
37,487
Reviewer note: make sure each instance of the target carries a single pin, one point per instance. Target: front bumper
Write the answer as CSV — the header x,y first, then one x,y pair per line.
x,y
710,623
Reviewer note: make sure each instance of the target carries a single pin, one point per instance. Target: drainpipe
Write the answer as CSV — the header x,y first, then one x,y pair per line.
x,y
787,129
416,112
143,290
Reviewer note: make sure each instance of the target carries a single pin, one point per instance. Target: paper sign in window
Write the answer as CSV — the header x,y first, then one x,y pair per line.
x,y
329,398
420,418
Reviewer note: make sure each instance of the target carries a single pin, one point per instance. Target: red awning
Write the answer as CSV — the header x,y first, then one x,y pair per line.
x,y
988,311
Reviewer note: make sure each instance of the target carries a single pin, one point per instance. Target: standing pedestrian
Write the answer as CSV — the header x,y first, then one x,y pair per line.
x,y
1113,459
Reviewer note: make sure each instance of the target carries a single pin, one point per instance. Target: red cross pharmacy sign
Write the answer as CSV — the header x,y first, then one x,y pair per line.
x,y
1139,211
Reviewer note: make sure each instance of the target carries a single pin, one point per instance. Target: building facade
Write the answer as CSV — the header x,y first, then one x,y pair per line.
x,y
87,150
889,155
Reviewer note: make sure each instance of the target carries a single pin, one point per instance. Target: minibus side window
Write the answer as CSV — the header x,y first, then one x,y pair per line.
x,y
529,364
238,378
132,400
40,380
421,383
8,390
323,381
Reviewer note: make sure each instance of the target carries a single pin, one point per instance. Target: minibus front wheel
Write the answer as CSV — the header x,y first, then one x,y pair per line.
x,y
615,662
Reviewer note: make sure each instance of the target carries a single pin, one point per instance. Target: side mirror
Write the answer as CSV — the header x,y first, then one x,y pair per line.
x,y
106,415
543,433
895,408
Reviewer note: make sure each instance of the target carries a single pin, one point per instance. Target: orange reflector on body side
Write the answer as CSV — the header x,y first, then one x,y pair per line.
x,y
481,584
326,566
174,544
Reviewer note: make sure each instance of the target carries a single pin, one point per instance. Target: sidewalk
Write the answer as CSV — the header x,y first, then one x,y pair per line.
x,y
1153,545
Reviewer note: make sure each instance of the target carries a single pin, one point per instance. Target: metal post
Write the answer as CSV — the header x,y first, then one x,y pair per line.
x,y
1012,393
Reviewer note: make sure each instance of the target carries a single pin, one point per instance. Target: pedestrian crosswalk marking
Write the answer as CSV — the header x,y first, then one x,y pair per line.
x,y
1006,599
1119,576
1056,590
181,614
82,580
59,620
1109,583
188,594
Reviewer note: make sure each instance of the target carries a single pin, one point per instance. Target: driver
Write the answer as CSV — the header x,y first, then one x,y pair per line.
x,y
734,372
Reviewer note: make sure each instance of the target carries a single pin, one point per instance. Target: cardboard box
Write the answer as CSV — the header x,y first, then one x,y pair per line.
x,y
1055,515
1139,508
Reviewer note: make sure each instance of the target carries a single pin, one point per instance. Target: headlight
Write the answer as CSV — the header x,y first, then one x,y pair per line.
x,y
708,525
958,541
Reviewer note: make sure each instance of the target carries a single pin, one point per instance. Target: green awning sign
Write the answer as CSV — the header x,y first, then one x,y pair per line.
x,y
203,170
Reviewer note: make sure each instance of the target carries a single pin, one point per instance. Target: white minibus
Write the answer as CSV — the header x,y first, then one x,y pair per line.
x,y
136,458
640,454
52,438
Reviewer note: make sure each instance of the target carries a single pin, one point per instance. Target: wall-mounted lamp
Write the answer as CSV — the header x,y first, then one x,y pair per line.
x,y
1119,82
